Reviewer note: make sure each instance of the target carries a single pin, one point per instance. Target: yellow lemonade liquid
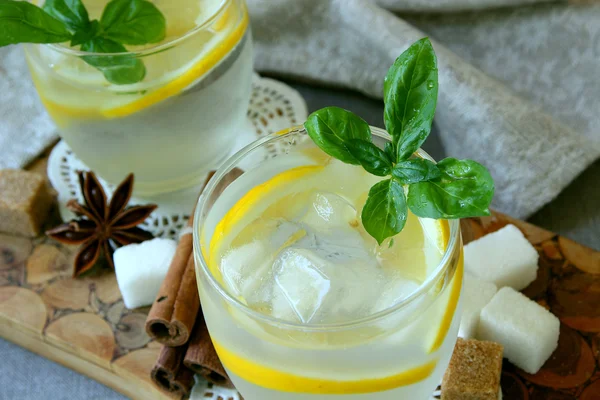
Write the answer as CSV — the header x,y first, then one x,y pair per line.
x,y
314,308
174,125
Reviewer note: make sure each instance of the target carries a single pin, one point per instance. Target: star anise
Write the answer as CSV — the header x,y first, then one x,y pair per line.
x,y
101,227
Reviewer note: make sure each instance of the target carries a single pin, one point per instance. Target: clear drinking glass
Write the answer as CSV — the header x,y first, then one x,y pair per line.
x,y
397,351
174,125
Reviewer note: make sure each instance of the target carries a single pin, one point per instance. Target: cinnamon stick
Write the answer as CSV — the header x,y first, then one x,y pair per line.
x,y
170,374
173,313
202,358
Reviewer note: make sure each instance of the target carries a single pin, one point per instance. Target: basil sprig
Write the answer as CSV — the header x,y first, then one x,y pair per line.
x,y
21,21
449,189
123,22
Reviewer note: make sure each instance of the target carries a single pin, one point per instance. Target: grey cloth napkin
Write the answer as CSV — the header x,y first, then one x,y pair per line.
x,y
25,128
519,87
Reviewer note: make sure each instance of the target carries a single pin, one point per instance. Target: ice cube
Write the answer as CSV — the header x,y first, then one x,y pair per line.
x,y
285,234
338,246
395,290
298,274
327,211
321,291
246,271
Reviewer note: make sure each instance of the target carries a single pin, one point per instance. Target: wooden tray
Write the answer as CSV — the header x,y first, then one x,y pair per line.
x,y
83,324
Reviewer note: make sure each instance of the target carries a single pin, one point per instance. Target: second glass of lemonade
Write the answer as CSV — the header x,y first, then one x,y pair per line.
x,y
301,303
174,125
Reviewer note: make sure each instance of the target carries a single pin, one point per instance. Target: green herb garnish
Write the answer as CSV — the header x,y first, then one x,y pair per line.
x,y
449,189
123,22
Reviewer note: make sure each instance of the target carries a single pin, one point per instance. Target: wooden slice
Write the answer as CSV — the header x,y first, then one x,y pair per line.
x,y
551,251
582,257
22,309
13,251
136,367
571,364
575,299
592,392
131,332
116,312
513,387
105,285
596,347
69,293
549,394
84,334
138,362
539,286
47,262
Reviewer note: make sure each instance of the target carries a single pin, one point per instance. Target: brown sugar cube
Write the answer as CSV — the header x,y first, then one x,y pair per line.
x,y
25,200
474,371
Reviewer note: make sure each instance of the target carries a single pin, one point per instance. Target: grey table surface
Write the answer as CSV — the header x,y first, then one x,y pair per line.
x,y
27,376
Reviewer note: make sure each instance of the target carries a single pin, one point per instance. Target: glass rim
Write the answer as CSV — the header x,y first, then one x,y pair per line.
x,y
145,52
230,163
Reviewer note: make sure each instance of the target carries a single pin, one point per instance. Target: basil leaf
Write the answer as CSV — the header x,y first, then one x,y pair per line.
x,y
71,12
22,22
410,97
83,35
389,150
331,127
120,70
372,158
415,170
133,22
465,189
384,214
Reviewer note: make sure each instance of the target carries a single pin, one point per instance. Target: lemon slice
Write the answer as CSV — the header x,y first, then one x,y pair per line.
x,y
274,379
191,74
448,314
219,45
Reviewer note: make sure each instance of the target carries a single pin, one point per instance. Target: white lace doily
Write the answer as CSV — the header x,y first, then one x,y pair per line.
x,y
273,106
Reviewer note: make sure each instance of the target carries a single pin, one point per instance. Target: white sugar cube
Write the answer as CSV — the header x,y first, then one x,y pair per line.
x,y
476,295
141,269
504,257
528,332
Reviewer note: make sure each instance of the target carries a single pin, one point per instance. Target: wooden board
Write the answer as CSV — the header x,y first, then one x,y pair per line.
x,y
79,323
83,324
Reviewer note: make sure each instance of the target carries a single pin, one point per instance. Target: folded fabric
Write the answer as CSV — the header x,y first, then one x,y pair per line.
x,y
531,155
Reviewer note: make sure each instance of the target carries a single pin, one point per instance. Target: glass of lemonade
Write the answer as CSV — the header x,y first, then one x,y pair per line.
x,y
194,97
301,303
